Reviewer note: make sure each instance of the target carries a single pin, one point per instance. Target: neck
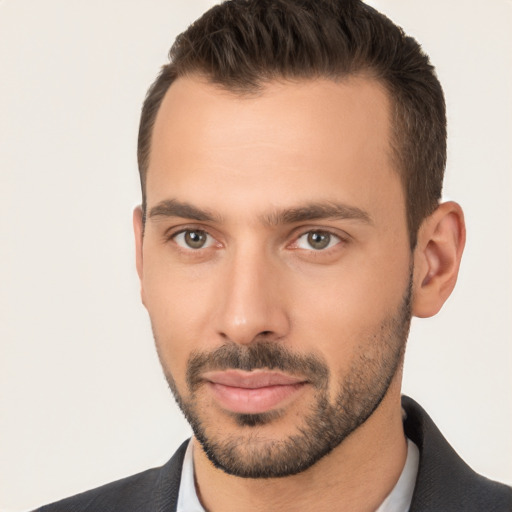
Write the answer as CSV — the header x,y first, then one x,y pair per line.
x,y
356,476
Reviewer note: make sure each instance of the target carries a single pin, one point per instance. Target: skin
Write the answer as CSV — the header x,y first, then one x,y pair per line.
x,y
244,161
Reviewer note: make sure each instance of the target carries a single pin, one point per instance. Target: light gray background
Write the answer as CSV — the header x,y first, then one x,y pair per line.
x,y
82,397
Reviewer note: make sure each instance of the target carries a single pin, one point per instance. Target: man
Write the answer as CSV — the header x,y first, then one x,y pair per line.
x,y
291,159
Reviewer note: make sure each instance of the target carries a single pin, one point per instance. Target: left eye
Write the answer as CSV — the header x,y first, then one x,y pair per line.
x,y
193,239
317,240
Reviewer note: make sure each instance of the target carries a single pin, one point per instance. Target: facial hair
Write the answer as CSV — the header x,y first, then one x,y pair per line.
x,y
324,425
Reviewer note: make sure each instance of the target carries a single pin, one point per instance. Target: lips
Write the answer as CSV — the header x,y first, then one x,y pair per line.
x,y
252,392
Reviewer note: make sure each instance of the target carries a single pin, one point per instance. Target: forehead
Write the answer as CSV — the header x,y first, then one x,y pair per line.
x,y
291,139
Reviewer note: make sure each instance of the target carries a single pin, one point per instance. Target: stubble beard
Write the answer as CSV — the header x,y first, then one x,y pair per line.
x,y
249,454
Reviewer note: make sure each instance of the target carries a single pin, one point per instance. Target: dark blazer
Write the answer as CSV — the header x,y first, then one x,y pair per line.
x,y
445,482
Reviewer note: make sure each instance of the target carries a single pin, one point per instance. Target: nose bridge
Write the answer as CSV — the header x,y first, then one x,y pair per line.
x,y
251,305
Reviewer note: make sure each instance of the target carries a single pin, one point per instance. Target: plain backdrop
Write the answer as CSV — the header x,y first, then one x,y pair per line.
x,y
82,397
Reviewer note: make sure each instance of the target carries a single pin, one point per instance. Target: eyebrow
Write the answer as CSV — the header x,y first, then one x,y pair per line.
x,y
317,211
175,208
303,213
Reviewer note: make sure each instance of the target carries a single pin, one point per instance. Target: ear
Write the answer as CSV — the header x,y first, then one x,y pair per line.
x,y
437,256
138,230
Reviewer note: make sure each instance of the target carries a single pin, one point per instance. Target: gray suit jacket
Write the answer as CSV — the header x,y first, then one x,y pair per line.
x,y
445,483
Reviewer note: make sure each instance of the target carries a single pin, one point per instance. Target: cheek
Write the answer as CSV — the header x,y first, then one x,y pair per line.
x,y
341,312
179,311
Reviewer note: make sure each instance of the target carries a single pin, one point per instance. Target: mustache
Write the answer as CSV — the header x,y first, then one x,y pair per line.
x,y
258,355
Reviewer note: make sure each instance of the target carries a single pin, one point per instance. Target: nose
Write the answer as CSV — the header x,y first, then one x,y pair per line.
x,y
252,302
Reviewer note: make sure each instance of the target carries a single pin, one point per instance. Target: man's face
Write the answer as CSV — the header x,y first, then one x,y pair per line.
x,y
275,266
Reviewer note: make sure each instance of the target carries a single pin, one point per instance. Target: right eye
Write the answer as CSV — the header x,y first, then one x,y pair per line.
x,y
193,239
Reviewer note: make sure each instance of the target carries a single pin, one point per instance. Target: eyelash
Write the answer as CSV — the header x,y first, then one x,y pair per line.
x,y
172,236
322,232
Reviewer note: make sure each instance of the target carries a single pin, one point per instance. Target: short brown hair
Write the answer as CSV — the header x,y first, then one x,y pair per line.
x,y
241,44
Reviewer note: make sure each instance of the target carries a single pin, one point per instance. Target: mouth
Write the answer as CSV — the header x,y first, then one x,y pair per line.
x,y
252,392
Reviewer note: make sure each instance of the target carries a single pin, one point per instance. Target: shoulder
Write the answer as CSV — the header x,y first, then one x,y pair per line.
x,y
152,490
445,481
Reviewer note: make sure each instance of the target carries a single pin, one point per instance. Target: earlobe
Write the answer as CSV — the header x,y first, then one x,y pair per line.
x,y
138,230
437,257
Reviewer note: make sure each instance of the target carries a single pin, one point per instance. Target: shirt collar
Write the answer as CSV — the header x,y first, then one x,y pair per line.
x,y
398,500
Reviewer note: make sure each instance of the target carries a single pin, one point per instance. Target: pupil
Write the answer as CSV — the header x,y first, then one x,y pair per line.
x,y
319,240
195,239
